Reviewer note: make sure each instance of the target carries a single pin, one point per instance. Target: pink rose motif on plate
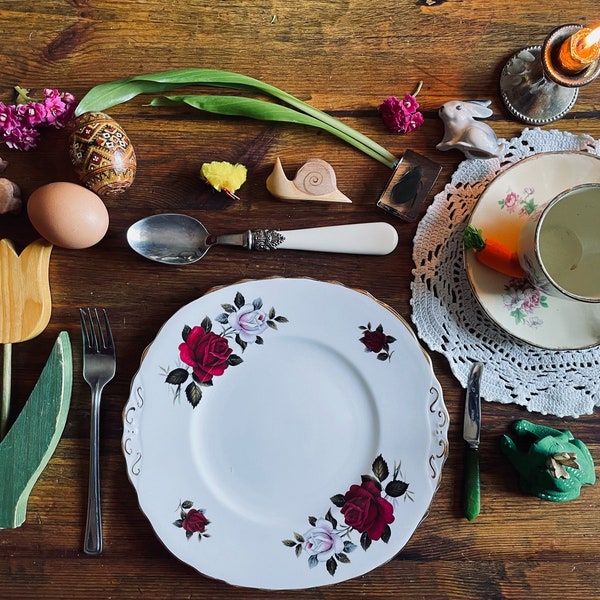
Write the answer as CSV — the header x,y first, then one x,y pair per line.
x,y
205,354
322,541
376,340
248,322
192,521
367,508
522,204
524,302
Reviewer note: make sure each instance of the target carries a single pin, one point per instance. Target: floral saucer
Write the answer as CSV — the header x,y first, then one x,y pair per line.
x,y
517,307
285,433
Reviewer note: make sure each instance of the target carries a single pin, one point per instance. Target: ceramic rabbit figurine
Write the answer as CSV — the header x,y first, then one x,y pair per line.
x,y
462,132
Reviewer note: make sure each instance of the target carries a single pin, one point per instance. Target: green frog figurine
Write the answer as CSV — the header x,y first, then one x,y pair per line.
x,y
552,464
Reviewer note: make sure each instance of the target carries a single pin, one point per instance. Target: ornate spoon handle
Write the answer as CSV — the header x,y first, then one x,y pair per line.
x,y
359,238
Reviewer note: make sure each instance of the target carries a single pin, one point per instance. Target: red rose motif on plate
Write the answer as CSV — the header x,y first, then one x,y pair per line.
x,y
194,521
374,340
377,341
206,352
366,511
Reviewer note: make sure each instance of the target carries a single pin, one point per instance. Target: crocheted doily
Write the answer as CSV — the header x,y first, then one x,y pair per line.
x,y
450,320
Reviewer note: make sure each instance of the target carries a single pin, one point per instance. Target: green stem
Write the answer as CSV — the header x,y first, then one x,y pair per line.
x,y
22,95
109,94
6,385
346,132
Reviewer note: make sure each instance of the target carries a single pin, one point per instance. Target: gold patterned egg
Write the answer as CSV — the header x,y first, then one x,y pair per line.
x,y
102,154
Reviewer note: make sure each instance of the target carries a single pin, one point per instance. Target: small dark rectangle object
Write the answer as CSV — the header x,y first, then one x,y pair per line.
x,y
409,186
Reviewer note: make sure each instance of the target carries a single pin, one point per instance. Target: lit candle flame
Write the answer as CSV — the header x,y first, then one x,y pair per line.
x,y
579,50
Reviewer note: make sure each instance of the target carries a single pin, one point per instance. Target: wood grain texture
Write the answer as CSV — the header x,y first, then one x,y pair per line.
x,y
26,302
345,57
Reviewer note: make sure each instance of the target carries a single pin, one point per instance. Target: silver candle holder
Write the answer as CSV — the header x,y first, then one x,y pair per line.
x,y
534,88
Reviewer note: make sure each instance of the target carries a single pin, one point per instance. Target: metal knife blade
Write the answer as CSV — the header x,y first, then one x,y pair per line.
x,y
471,433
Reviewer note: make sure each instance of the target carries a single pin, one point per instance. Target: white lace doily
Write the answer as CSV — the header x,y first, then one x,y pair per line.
x,y
449,319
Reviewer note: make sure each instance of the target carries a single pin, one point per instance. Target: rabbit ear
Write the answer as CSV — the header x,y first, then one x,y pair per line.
x,y
479,108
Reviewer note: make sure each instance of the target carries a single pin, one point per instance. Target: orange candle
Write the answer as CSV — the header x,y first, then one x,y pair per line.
x,y
580,50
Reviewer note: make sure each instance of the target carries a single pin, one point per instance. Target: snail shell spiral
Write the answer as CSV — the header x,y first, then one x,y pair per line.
x,y
316,177
315,180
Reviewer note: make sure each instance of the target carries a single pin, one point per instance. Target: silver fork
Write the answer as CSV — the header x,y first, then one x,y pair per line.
x,y
99,366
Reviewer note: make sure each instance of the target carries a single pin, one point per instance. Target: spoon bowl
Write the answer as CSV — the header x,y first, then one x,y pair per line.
x,y
177,239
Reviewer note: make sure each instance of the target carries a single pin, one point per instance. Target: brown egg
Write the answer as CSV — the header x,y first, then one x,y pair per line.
x,y
102,154
68,215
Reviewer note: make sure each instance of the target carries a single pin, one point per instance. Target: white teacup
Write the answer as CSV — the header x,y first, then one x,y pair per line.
x,y
559,245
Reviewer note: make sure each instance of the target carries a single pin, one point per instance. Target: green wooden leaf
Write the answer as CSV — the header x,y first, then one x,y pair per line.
x,y
31,441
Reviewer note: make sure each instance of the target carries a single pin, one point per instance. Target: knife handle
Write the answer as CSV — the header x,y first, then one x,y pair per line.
x,y
471,497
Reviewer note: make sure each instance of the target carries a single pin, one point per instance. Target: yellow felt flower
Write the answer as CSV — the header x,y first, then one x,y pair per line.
x,y
224,176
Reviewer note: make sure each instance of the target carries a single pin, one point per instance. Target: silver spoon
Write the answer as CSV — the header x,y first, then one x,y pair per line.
x,y
176,239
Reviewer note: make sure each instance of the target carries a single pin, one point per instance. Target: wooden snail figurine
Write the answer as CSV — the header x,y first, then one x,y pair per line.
x,y
314,180
462,132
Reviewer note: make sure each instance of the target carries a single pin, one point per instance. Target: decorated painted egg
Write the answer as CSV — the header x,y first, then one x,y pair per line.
x,y
102,154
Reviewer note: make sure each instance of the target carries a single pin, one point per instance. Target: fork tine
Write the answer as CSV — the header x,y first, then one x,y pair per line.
x,y
86,320
96,330
96,336
108,341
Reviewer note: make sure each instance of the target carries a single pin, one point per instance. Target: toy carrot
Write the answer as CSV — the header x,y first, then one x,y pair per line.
x,y
492,253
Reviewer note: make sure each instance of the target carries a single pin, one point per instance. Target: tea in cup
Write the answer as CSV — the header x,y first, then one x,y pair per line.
x,y
559,245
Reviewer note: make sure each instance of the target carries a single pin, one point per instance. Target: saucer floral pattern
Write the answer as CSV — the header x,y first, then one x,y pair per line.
x,y
523,300
522,204
520,298
367,508
205,354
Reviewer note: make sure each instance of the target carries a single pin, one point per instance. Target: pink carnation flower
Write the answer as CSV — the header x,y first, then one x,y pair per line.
x,y
32,114
9,118
401,115
19,122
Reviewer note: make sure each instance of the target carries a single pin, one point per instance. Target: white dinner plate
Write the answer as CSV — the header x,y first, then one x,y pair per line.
x,y
308,445
518,308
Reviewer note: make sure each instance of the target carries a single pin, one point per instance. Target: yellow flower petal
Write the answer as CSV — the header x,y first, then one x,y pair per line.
x,y
224,176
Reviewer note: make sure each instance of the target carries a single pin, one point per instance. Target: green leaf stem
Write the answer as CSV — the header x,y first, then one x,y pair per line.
x,y
261,110
107,95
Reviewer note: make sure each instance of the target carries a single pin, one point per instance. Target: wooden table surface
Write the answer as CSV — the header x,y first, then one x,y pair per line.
x,y
344,57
